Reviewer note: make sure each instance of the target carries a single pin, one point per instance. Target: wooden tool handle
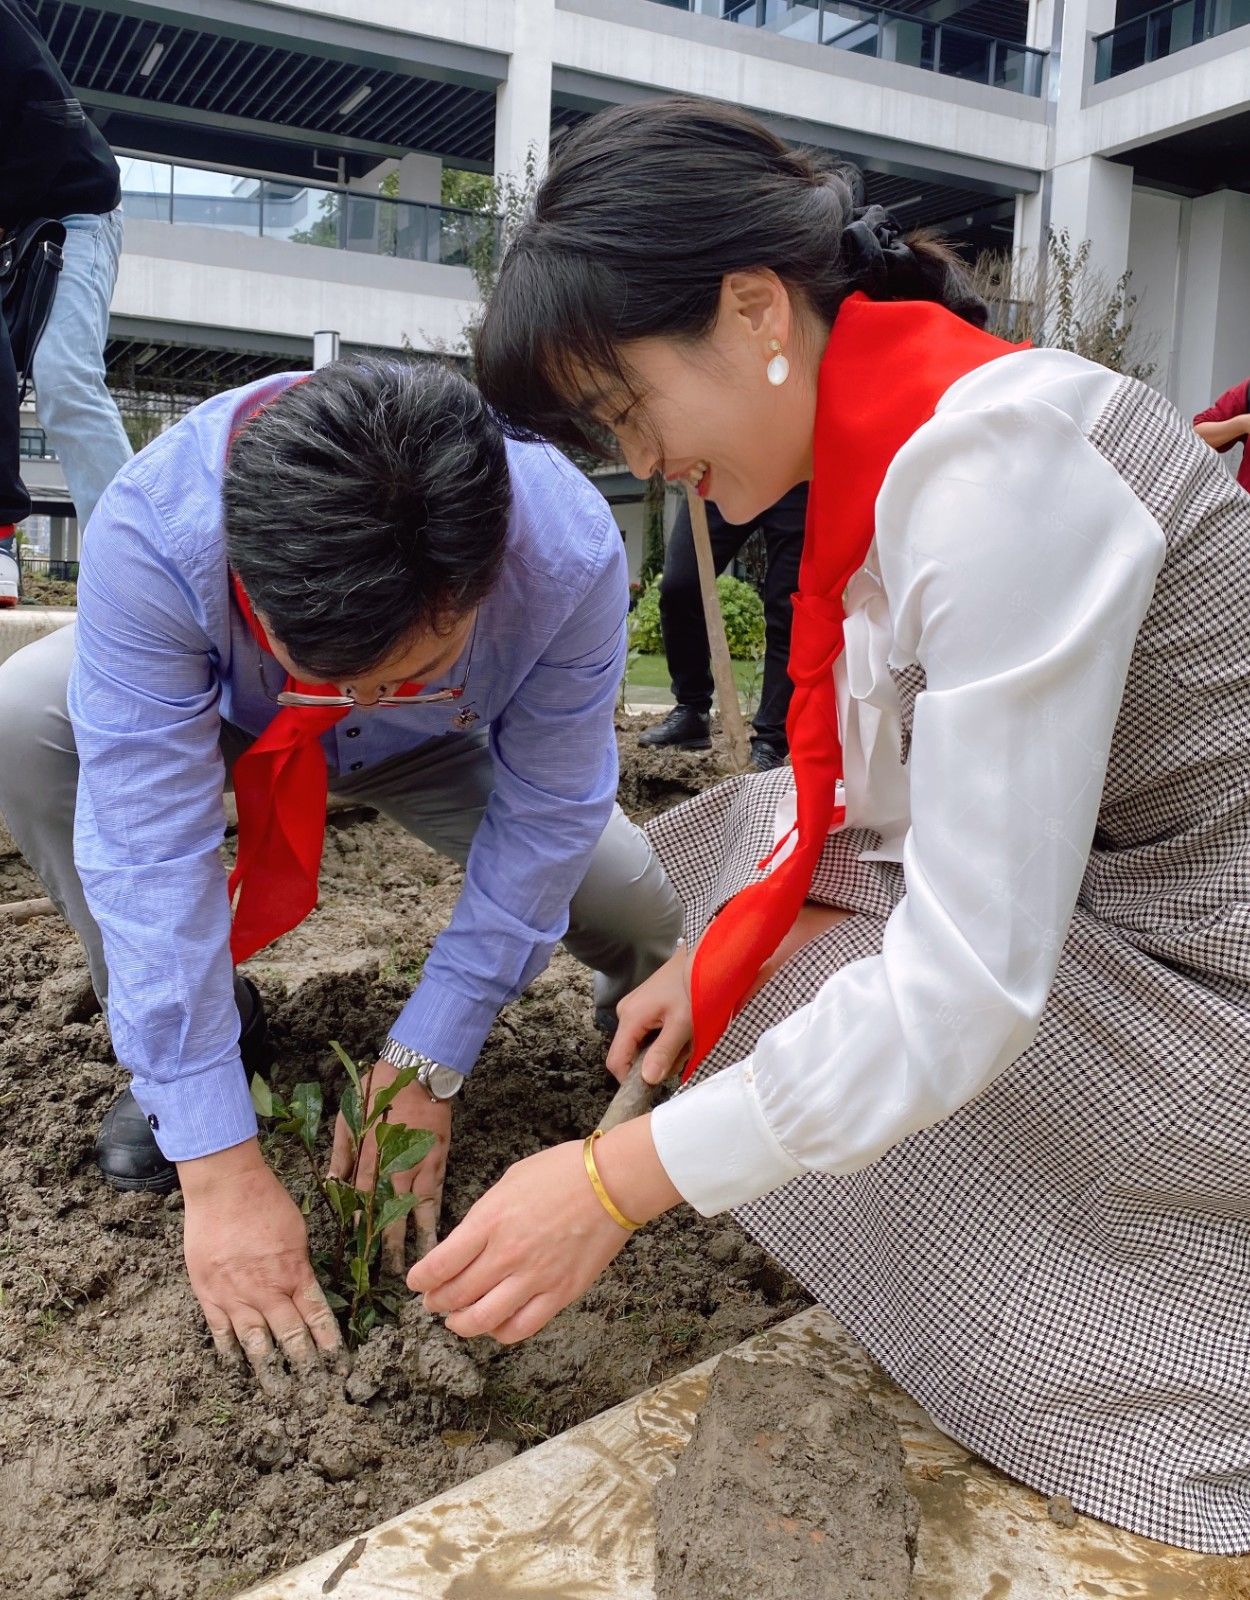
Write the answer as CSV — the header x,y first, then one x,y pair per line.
x,y
731,719
633,1097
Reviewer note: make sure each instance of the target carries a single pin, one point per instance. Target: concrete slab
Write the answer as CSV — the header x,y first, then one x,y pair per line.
x,y
24,624
572,1519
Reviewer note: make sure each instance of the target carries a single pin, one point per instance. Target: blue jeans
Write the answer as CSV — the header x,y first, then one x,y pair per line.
x,y
75,407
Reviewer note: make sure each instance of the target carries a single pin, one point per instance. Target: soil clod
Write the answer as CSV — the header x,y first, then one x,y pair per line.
x,y
791,1486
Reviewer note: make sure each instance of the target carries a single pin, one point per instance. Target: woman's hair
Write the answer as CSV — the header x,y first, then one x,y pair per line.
x,y
643,212
366,504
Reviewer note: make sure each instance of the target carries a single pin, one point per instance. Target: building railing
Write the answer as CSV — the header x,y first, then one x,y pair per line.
x,y
871,30
33,445
1163,32
299,213
45,567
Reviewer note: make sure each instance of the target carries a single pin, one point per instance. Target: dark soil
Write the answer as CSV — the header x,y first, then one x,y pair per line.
x,y
788,1480
132,1465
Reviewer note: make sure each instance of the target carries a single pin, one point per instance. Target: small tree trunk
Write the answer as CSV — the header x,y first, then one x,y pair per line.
x,y
722,663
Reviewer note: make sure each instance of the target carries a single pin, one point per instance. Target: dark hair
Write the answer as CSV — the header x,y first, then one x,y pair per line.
x,y
643,212
364,504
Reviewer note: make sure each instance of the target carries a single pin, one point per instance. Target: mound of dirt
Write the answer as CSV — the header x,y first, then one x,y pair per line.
x,y
791,1486
655,780
133,1466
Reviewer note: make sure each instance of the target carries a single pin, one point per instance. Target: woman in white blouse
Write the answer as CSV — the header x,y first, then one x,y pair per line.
x,y
971,1056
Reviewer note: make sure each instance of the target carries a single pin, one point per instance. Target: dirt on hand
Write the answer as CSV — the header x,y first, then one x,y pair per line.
x,y
134,1466
791,1486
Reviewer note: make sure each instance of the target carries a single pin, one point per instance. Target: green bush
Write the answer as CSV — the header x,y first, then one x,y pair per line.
x,y
741,607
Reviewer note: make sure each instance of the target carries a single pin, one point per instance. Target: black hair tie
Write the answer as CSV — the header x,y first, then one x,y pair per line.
x,y
877,258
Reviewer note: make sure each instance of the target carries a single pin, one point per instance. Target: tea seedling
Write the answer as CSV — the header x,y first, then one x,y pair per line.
x,y
361,1210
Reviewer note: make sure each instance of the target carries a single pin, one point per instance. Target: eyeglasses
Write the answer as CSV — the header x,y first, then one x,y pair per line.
x,y
348,702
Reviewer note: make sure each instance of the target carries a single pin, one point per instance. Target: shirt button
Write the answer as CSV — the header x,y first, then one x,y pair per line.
x,y
353,733
356,766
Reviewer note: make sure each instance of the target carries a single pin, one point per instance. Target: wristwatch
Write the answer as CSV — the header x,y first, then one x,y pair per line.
x,y
438,1081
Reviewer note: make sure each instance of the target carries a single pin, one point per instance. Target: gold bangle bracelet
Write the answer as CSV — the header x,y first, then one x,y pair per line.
x,y
596,1182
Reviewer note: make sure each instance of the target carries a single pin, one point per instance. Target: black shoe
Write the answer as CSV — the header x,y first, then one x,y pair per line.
x,y
126,1150
684,729
765,756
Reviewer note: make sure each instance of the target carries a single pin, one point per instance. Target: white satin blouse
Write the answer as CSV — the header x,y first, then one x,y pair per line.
x,y
1014,565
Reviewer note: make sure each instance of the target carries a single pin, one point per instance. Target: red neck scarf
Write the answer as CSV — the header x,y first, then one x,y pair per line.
x,y
886,366
280,787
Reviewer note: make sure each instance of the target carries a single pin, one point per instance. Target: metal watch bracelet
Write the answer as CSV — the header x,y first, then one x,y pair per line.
x,y
438,1081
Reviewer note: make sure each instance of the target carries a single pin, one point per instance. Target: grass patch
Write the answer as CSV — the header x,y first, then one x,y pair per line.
x,y
651,672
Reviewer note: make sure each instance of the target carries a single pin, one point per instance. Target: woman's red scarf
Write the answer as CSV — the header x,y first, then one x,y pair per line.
x,y
886,366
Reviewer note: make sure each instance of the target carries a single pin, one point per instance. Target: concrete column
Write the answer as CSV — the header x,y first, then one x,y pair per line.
x,y
1093,199
421,179
1156,260
523,102
63,540
1213,337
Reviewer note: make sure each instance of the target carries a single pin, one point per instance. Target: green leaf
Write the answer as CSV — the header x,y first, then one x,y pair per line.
x,y
349,1105
383,1190
397,1206
360,1274
344,1200
405,1153
384,1098
262,1096
335,1301
353,1071
306,1112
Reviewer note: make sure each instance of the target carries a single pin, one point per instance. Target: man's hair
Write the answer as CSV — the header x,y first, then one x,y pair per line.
x,y
364,505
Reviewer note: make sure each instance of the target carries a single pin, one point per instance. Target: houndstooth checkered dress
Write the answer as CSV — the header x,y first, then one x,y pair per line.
x,y
1060,1271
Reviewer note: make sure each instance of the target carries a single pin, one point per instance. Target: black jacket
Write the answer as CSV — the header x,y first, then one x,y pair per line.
x,y
53,160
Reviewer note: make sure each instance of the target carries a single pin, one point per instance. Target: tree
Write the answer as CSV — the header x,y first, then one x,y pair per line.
x,y
653,530
471,191
1063,302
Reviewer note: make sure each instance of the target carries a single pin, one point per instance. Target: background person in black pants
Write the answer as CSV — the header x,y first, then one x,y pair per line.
x,y
685,632
14,501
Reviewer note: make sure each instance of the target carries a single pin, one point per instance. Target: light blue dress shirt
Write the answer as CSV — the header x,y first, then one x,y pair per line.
x,y
163,656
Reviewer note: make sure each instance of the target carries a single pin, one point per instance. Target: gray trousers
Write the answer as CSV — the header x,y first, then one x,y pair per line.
x,y
624,920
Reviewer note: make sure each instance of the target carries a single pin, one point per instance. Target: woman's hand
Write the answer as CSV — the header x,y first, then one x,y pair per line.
x,y
662,1002
537,1240
532,1244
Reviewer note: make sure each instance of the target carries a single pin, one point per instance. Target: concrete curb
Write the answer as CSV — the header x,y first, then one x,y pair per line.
x,y
24,624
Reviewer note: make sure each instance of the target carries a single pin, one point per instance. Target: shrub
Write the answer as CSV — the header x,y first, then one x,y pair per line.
x,y
741,607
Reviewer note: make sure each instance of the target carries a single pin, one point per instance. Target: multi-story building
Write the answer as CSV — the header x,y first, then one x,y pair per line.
x,y
283,159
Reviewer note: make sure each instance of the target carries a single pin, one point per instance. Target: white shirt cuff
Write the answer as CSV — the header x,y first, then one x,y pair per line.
x,y
716,1146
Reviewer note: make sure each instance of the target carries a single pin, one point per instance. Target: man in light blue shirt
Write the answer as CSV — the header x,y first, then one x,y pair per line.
x,y
386,539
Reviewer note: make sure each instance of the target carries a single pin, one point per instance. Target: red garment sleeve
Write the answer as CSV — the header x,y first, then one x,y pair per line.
x,y
1232,403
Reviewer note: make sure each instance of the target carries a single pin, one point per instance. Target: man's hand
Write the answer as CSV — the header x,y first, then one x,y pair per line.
x,y
246,1250
414,1107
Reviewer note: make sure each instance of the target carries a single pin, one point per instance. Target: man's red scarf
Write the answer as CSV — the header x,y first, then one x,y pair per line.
x,y
886,366
280,787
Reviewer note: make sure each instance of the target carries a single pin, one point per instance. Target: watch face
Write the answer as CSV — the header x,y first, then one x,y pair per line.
x,y
443,1082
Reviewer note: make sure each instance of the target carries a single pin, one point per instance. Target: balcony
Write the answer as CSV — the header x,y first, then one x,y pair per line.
x,y
912,41
33,445
299,213
1163,32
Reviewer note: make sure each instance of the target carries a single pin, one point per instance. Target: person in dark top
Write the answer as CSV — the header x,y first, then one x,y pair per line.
x,y
54,162
685,634
1226,422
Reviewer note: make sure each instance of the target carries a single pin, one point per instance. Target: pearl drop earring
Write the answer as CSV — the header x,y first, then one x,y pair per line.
x,y
778,368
